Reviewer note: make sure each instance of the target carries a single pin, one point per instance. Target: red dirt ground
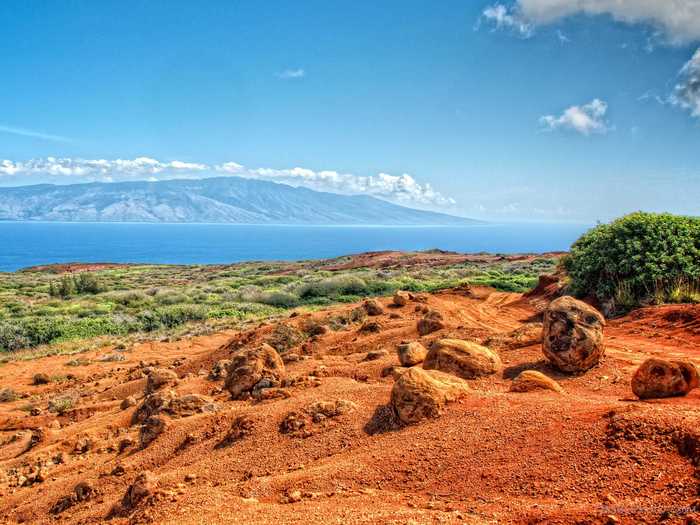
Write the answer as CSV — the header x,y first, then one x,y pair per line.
x,y
595,454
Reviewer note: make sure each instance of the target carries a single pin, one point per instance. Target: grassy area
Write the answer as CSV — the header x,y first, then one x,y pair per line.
x,y
73,312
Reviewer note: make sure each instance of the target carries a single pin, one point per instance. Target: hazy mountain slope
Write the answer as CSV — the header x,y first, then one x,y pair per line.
x,y
220,200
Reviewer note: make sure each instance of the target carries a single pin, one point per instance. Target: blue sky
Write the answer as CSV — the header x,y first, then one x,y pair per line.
x,y
576,110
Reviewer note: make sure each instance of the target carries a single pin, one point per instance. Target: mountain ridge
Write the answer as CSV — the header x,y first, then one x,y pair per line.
x,y
233,200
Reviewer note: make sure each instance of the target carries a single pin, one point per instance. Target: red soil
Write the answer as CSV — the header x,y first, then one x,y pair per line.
x,y
592,455
74,267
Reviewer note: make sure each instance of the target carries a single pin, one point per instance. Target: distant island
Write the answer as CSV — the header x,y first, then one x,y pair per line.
x,y
232,200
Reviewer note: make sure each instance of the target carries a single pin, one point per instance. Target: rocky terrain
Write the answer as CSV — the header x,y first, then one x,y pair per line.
x,y
314,419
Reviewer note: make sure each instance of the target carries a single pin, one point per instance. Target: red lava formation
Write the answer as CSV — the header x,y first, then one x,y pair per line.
x,y
313,419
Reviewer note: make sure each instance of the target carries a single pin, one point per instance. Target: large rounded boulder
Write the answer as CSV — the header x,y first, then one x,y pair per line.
x,y
254,369
464,359
656,378
421,394
572,335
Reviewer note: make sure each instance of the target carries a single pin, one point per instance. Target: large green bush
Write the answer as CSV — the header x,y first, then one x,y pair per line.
x,y
640,258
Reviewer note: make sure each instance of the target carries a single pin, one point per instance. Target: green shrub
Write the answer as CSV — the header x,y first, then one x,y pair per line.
x,y
87,283
171,316
12,337
333,286
639,258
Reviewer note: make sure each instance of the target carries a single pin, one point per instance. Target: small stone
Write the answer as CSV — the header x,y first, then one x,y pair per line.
x,y
128,402
401,298
411,354
372,307
529,380
158,378
431,322
375,354
41,379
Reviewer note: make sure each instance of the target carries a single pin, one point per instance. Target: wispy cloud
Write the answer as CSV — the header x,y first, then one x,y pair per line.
x,y
289,74
677,21
586,119
402,188
502,17
33,134
686,94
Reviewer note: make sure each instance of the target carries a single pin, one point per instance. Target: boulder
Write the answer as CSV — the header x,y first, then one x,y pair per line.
x,y
370,327
41,379
464,359
152,427
656,378
572,335
190,404
252,369
525,335
530,380
127,402
143,486
158,378
411,353
372,307
373,355
153,404
401,298
431,322
218,371
419,394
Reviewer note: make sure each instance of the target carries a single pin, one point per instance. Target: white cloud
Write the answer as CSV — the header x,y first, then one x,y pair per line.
x,y
586,119
399,188
687,92
678,20
502,17
291,74
97,170
22,132
403,189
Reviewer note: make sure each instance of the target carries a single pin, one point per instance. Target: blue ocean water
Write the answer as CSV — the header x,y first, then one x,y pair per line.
x,y
25,244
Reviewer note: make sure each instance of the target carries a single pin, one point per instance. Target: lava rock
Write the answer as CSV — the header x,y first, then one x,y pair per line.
x,y
401,298
572,335
372,307
464,359
420,394
411,354
158,378
254,368
656,378
530,380
431,322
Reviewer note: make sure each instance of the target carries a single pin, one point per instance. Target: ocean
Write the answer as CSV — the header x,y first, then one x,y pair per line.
x,y
33,243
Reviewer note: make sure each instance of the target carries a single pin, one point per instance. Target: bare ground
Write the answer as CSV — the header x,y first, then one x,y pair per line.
x,y
592,455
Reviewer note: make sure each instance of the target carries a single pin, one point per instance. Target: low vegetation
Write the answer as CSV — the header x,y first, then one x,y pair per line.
x,y
39,308
642,258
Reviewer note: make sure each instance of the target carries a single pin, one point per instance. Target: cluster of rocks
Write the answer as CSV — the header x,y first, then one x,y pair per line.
x,y
299,422
572,341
